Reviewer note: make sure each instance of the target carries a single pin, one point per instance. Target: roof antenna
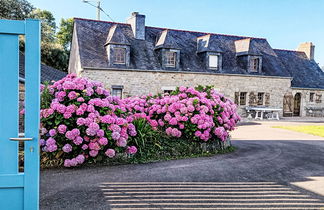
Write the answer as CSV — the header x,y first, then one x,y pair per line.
x,y
99,9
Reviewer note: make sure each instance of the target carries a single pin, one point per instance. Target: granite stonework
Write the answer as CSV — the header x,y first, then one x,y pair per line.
x,y
310,108
137,83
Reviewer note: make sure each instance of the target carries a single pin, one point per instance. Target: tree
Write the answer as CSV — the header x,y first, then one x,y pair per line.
x,y
64,35
15,9
55,56
48,24
54,51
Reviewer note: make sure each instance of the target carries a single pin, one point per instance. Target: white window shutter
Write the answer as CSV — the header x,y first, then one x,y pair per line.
x,y
213,61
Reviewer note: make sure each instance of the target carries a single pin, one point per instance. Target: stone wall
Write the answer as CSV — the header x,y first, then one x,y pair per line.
x,y
309,108
143,82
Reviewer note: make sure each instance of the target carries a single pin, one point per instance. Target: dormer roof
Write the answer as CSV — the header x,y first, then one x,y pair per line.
x,y
246,47
166,40
208,43
116,36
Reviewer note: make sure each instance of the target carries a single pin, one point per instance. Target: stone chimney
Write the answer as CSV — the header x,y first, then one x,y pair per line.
x,y
308,48
137,21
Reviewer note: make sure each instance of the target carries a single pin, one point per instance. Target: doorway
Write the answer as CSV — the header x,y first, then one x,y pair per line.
x,y
297,100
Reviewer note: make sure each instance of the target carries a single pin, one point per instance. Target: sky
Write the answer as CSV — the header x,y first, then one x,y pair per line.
x,y
284,23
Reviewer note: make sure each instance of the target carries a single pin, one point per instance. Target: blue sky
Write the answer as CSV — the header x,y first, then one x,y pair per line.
x,y
285,23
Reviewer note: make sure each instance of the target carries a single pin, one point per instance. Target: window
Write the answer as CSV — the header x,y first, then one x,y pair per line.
x,y
117,90
318,98
311,97
243,98
260,98
167,91
119,55
213,61
255,64
170,59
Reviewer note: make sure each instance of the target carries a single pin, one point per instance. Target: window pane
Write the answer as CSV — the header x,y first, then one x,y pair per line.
x,y
260,98
255,64
311,97
243,98
170,59
213,61
117,92
119,55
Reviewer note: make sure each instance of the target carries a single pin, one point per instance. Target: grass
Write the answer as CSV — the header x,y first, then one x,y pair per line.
x,y
317,130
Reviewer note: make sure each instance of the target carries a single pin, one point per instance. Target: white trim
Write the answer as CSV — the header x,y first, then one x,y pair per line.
x,y
168,88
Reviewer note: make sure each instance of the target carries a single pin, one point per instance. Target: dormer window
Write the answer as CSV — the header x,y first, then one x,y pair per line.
x,y
170,58
117,48
255,64
213,61
119,55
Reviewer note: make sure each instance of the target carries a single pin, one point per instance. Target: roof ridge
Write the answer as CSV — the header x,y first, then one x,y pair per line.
x,y
206,33
287,50
103,21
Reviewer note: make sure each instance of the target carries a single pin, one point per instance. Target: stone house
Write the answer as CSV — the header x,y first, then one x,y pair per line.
x,y
134,59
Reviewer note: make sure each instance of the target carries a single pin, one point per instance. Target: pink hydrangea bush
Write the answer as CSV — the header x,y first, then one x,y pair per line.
x,y
81,121
189,113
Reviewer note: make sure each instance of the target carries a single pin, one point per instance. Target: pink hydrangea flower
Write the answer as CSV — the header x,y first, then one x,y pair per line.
x,y
110,153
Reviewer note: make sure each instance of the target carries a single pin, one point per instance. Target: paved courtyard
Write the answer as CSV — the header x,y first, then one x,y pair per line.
x,y
271,169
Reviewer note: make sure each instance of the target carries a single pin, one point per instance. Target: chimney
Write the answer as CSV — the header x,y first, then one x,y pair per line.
x,y
137,21
308,48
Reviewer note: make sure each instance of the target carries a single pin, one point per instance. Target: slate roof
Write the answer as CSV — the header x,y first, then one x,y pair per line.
x,y
92,36
116,36
306,73
47,73
166,40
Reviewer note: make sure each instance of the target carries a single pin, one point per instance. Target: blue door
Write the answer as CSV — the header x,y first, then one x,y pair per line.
x,y
19,190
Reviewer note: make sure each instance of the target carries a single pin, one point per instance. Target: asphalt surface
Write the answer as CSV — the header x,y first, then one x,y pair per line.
x,y
259,175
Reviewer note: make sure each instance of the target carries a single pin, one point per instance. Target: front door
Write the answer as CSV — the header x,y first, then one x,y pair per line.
x,y
288,105
19,188
297,100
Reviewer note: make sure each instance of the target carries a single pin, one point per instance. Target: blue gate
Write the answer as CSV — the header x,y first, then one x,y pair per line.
x,y
19,190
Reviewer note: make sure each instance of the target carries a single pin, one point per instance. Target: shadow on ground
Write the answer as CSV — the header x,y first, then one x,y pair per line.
x,y
260,174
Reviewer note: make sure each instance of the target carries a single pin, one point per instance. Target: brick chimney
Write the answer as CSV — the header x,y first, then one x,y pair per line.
x,y
137,21
308,48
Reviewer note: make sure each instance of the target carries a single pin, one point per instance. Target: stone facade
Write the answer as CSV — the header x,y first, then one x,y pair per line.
x,y
310,107
144,82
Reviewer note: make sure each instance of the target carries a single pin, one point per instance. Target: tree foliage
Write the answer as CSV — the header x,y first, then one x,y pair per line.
x,y
55,46
55,56
64,35
15,9
48,24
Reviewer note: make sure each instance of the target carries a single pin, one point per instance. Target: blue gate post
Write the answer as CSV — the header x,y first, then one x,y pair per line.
x,y
19,190
32,116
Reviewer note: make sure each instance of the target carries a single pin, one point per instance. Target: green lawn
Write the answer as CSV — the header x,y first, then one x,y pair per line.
x,y
317,130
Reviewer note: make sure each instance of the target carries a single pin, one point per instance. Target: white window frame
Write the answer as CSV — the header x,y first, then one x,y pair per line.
x,y
116,59
117,91
170,61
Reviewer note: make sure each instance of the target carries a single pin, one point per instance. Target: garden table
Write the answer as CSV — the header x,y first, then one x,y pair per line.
x,y
273,113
